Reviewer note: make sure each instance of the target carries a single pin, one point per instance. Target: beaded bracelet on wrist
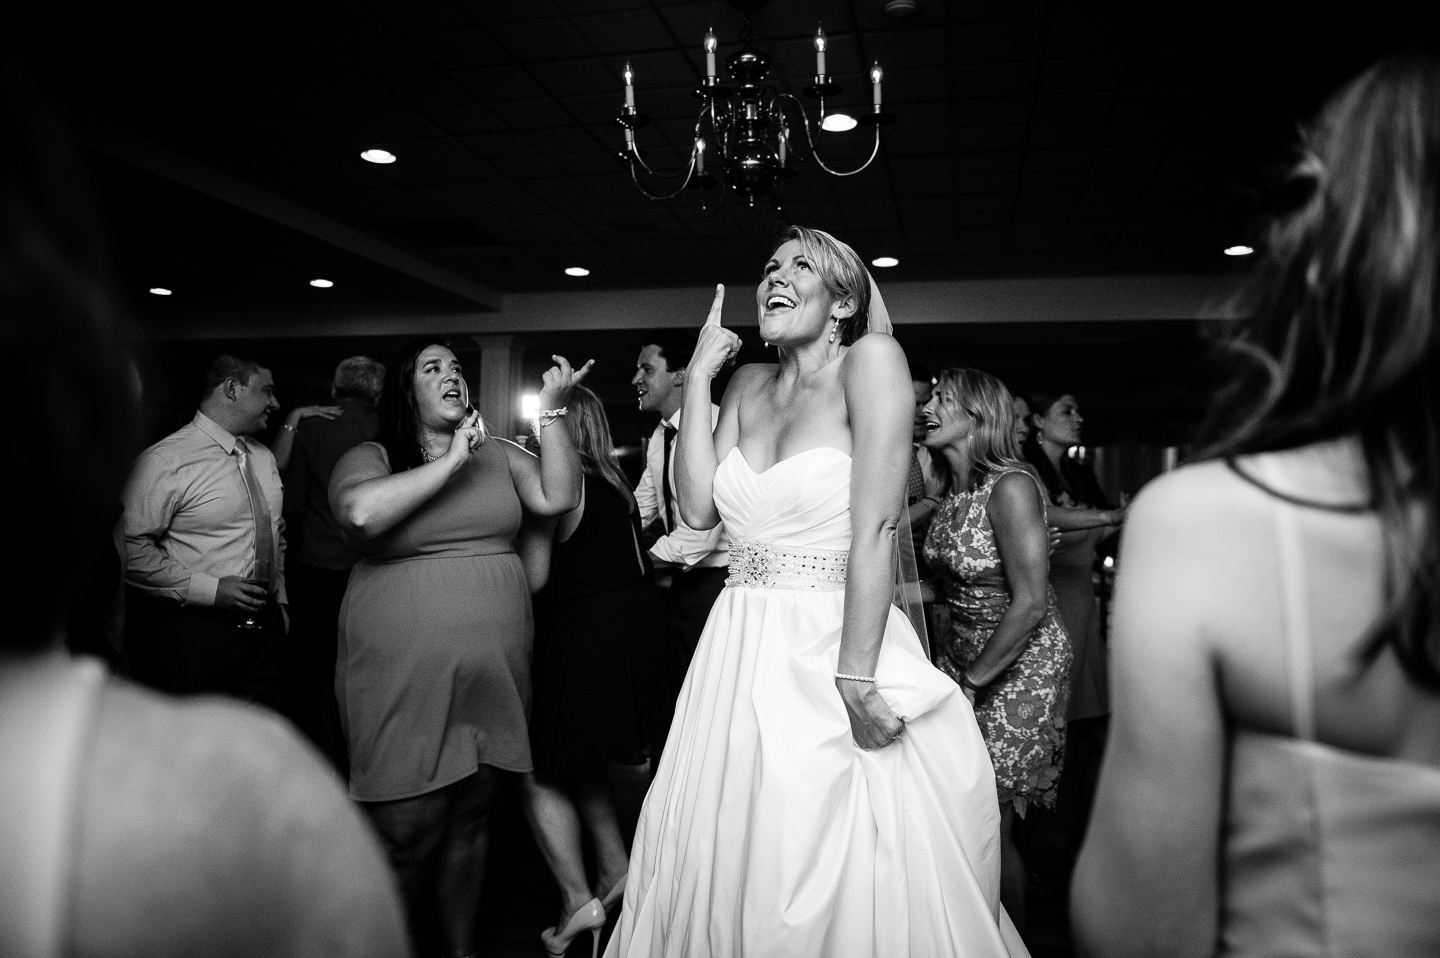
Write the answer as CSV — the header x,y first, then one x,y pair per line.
x,y
855,678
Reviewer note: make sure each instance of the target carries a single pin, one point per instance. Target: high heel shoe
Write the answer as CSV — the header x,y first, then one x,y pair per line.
x,y
590,917
612,898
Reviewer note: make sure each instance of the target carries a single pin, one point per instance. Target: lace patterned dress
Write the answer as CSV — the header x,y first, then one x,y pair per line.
x,y
1021,713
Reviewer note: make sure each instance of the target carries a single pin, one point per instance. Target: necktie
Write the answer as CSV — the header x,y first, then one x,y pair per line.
x,y
665,478
260,509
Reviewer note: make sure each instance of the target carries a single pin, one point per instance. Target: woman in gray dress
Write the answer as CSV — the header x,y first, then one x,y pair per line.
x,y
433,670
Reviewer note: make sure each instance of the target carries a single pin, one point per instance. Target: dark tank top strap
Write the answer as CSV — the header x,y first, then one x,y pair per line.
x,y
1349,508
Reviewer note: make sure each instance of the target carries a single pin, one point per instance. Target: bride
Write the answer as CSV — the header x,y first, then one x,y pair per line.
x,y
823,790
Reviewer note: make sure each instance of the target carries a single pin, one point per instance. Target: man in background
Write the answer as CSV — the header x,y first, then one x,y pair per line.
x,y
695,561
204,549
320,558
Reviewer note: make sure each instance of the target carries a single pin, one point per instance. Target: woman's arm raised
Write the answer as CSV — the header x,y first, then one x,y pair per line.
x,y
698,446
881,405
550,485
368,500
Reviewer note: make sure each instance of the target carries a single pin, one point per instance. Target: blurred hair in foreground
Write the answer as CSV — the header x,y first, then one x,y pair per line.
x,y
1342,333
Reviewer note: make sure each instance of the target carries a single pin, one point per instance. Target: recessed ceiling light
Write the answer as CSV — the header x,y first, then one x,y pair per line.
x,y
378,156
1238,250
322,283
159,290
577,271
839,123
884,261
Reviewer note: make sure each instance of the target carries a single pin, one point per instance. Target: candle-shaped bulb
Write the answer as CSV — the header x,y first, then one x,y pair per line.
x,y
875,76
700,155
784,135
711,45
819,50
629,86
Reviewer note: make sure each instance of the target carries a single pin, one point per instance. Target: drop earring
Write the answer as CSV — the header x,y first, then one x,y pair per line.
x,y
834,329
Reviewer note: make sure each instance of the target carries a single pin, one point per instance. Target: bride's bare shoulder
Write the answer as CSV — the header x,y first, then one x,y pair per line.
x,y
875,356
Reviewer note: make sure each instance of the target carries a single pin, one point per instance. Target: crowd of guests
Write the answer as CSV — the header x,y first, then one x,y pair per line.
x,y
434,607
440,610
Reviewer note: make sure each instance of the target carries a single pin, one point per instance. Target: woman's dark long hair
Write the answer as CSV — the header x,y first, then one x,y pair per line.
x,y
398,414
67,366
1074,477
1342,338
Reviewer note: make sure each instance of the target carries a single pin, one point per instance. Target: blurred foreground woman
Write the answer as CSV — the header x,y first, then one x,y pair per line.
x,y
133,823
1277,624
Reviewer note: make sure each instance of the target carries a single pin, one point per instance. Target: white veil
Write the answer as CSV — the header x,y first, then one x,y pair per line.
x,y
907,575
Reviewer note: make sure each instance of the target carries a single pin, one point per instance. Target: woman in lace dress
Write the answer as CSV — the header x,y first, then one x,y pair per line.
x,y
1007,647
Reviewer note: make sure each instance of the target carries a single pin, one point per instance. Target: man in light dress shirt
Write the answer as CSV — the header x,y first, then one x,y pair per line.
x,y
204,554
696,561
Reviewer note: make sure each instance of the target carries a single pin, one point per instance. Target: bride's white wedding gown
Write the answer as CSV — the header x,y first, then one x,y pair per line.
x,y
767,832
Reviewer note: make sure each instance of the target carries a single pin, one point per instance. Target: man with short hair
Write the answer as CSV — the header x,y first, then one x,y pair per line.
x,y
320,557
204,548
696,561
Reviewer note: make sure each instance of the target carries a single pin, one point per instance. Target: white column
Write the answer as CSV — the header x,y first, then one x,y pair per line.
x,y
497,395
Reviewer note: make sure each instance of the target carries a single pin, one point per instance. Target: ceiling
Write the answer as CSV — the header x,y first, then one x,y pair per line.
x,y
1034,138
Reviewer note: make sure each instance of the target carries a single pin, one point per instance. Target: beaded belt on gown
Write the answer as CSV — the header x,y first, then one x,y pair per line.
x,y
763,565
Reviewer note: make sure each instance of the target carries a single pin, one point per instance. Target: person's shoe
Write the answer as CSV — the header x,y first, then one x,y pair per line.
x,y
612,898
590,917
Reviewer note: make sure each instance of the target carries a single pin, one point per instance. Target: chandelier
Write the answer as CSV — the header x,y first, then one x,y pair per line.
x,y
746,134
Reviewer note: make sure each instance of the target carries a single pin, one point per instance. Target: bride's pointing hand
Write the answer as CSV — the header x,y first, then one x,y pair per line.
x,y
872,724
716,345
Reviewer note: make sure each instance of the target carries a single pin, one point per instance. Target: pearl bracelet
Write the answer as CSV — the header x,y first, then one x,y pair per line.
x,y
855,678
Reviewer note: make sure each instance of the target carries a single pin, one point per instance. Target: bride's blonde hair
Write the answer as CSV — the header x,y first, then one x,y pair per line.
x,y
842,271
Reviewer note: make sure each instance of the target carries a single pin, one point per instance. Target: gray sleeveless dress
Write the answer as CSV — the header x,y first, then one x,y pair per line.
x,y
433,668
1326,852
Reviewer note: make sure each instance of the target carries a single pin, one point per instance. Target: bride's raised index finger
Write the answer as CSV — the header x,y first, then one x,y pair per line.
x,y
717,307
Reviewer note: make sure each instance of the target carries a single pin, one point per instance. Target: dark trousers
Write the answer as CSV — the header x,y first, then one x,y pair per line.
x,y
688,601
315,596
188,650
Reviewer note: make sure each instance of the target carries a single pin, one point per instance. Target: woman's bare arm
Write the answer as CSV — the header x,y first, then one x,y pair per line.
x,y
1068,519
1018,519
698,447
1147,881
881,404
550,485
534,544
368,500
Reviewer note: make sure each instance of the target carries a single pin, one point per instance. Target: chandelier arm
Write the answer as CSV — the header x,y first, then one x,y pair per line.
x,y
719,203
815,152
635,175
635,157
721,126
874,151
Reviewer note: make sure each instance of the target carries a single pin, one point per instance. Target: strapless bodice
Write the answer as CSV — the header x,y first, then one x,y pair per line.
x,y
801,502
